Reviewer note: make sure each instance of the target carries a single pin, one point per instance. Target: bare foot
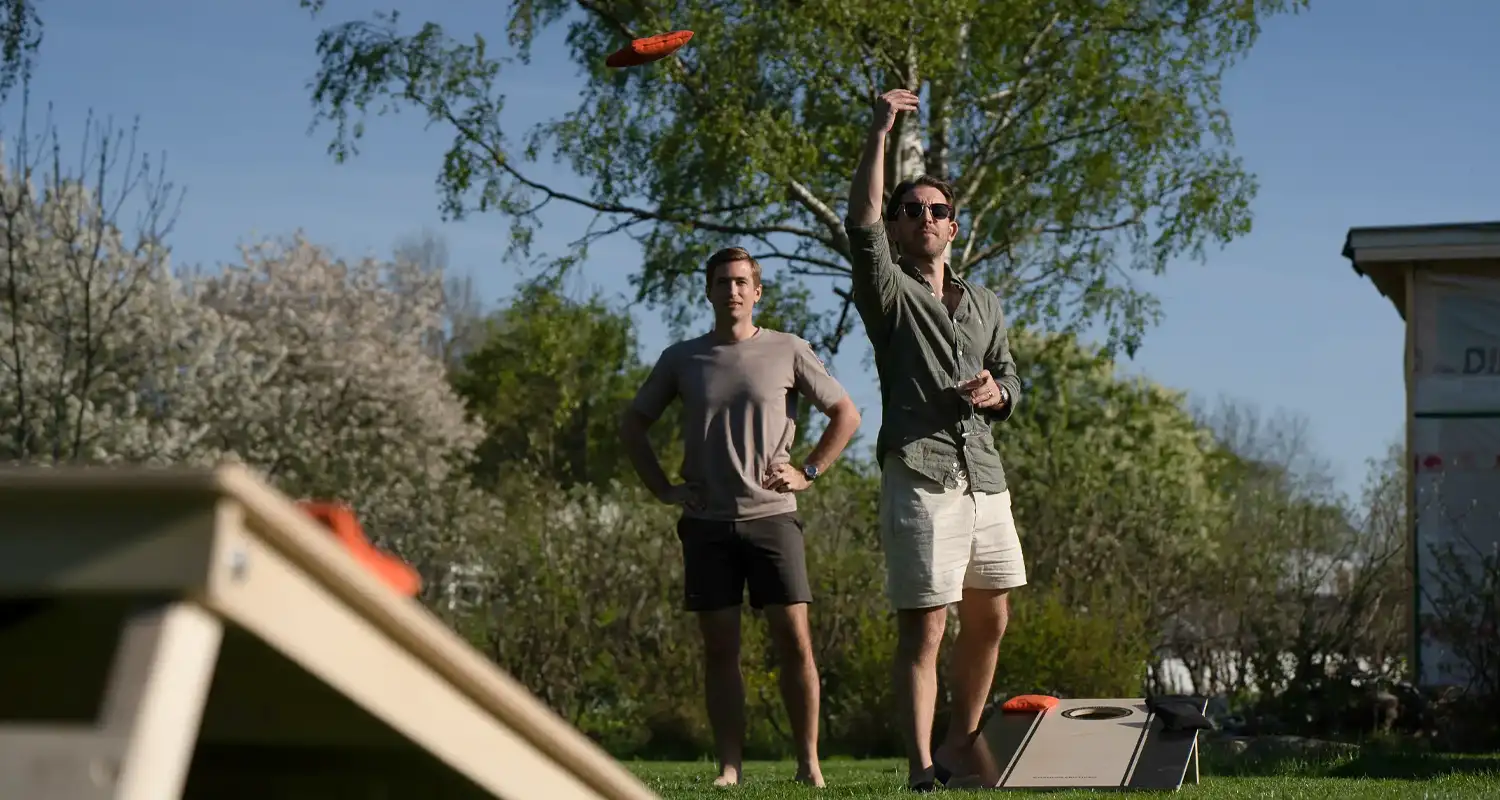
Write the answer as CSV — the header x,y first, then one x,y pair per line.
x,y
728,776
811,775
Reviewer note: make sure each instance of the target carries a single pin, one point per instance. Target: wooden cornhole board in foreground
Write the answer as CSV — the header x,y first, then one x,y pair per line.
x,y
169,634
1087,744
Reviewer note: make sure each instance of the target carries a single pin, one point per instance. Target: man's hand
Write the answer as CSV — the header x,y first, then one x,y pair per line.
x,y
982,390
887,106
685,495
785,478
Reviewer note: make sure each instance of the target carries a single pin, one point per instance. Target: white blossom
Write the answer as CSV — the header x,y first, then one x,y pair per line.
x,y
316,371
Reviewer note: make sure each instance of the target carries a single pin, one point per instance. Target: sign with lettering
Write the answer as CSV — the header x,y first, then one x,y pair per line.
x,y
1456,322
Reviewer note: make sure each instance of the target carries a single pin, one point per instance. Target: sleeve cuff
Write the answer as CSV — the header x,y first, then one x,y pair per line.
x,y
1002,413
874,229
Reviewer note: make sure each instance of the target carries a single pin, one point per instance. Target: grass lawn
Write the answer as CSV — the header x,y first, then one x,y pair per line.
x,y
1368,777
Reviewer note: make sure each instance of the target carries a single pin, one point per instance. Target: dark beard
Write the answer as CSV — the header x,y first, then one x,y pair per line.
x,y
924,249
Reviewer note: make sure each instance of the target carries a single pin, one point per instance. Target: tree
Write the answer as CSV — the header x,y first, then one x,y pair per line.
x,y
331,388
549,379
312,370
1086,139
88,311
1113,486
463,310
1306,607
20,38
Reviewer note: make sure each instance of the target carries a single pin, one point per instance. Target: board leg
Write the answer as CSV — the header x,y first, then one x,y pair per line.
x,y
157,691
142,745
1195,759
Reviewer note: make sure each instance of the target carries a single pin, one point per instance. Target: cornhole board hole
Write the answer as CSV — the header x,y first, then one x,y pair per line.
x,y
1087,744
195,634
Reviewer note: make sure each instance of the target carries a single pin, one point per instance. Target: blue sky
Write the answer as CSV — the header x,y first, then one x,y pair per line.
x,y
1358,112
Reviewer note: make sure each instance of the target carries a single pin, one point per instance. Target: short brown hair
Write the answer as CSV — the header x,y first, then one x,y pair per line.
x,y
903,187
729,255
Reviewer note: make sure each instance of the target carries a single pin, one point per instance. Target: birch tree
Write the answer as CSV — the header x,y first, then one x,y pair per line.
x,y
1086,138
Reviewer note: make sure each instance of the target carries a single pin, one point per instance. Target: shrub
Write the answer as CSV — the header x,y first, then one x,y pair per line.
x,y
1100,650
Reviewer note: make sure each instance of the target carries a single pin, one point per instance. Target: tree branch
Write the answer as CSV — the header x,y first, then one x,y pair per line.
x,y
503,162
834,269
1063,138
841,328
980,166
825,214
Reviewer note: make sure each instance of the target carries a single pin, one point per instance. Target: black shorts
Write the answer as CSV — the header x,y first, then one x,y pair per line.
x,y
720,559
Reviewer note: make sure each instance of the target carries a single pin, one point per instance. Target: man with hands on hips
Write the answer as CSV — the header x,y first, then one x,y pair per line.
x,y
739,385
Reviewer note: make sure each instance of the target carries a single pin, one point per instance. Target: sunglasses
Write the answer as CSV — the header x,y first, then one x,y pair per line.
x,y
914,210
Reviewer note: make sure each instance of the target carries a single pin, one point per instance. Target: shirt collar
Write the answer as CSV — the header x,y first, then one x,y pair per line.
x,y
949,274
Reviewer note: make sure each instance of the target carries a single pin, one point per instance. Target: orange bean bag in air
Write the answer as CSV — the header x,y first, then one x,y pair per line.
x,y
340,520
648,49
1029,702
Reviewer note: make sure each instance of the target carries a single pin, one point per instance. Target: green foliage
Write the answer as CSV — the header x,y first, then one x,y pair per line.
x,y
580,599
550,380
1145,536
1083,137
633,678
1306,608
1111,477
1056,646
20,38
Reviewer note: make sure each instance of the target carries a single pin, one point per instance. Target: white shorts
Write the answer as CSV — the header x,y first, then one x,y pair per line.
x,y
939,541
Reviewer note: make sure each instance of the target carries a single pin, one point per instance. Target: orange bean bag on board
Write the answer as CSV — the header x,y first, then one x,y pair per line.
x,y
1029,702
340,521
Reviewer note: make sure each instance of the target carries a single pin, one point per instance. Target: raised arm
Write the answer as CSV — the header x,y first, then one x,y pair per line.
x,y
875,271
868,187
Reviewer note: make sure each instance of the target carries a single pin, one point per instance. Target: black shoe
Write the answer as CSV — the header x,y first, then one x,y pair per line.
x,y
922,783
941,774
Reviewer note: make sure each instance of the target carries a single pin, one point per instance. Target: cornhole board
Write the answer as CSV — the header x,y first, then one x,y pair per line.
x,y
1087,744
194,634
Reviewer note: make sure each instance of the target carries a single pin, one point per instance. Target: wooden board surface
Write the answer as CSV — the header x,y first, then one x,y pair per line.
x,y
227,515
1108,743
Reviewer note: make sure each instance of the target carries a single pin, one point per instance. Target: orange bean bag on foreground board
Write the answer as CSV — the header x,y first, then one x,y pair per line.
x,y
340,520
1029,702
648,49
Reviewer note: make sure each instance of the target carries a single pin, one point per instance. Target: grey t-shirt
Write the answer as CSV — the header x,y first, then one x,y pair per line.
x,y
739,403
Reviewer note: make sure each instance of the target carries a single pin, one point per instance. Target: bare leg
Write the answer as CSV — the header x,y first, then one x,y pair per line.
x,y
799,684
982,616
725,689
919,632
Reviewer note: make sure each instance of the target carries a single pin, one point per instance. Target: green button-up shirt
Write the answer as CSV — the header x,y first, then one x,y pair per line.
x,y
921,354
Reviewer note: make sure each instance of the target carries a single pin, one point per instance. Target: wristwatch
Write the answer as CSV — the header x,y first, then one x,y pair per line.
x,y
810,471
